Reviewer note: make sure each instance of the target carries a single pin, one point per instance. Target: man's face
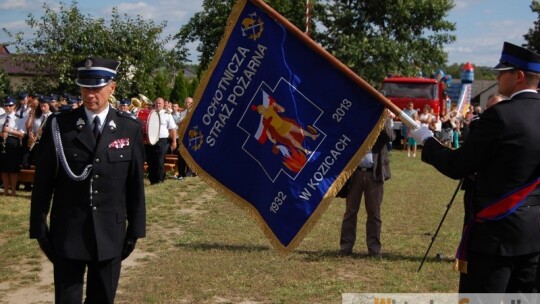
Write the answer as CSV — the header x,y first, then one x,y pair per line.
x,y
124,108
159,104
175,107
507,81
189,103
97,99
9,109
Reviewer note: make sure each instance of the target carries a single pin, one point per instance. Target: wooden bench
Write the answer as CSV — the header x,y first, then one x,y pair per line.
x,y
26,175
168,168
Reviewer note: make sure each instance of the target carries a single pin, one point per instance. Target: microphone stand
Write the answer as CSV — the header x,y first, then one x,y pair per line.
x,y
440,224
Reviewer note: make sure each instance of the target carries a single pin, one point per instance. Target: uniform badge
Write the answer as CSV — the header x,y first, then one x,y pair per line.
x,y
112,125
80,123
88,63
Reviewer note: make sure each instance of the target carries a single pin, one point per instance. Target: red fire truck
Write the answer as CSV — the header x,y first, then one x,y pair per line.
x,y
421,91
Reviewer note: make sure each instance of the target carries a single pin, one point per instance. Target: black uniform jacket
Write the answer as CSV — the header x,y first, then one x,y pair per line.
x,y
90,219
504,151
381,162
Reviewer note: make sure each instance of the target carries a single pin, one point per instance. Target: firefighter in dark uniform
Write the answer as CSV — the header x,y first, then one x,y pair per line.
x,y
95,182
501,243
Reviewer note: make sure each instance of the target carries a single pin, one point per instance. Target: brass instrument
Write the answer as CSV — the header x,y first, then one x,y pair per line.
x,y
139,103
37,136
30,128
145,100
135,105
5,134
112,100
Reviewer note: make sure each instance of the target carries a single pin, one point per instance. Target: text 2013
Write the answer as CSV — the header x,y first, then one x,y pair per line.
x,y
342,110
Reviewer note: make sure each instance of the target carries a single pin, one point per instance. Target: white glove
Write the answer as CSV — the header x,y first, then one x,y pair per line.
x,y
421,134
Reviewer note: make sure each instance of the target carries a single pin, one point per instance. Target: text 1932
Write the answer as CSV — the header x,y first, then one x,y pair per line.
x,y
278,201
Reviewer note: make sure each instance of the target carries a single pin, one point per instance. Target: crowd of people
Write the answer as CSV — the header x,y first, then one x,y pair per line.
x,y
23,119
450,127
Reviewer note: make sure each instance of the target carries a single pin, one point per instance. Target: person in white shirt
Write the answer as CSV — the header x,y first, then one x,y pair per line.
x,y
155,154
42,113
10,146
23,113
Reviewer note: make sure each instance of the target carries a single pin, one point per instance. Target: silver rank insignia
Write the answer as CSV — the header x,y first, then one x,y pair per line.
x,y
88,63
80,123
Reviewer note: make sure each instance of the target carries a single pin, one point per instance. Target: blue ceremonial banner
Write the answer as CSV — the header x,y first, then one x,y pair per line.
x,y
278,124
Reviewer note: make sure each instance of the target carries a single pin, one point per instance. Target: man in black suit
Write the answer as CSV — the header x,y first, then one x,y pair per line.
x,y
500,247
95,181
368,180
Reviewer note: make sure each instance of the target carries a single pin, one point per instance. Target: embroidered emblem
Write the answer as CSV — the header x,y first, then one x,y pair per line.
x,y
252,27
119,143
112,125
195,138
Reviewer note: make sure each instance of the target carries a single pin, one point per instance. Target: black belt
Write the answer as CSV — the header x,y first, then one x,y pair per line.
x,y
365,169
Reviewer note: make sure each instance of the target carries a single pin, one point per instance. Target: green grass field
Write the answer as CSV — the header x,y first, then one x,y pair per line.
x,y
201,248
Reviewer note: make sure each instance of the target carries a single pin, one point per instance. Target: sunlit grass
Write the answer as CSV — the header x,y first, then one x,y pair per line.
x,y
204,249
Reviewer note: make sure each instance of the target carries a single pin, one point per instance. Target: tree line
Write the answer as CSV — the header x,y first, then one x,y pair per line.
x,y
372,37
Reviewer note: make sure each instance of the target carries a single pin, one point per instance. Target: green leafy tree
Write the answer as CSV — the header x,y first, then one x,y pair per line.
x,y
376,37
207,27
64,36
193,87
162,84
180,89
533,35
5,88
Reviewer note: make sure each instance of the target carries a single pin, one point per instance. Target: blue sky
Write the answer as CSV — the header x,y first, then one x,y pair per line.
x,y
482,25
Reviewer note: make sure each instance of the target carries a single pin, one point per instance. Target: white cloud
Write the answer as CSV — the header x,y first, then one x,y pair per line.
x,y
134,9
481,34
172,11
12,4
14,26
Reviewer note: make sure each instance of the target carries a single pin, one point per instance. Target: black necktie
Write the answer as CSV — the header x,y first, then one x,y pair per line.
x,y
97,122
21,113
